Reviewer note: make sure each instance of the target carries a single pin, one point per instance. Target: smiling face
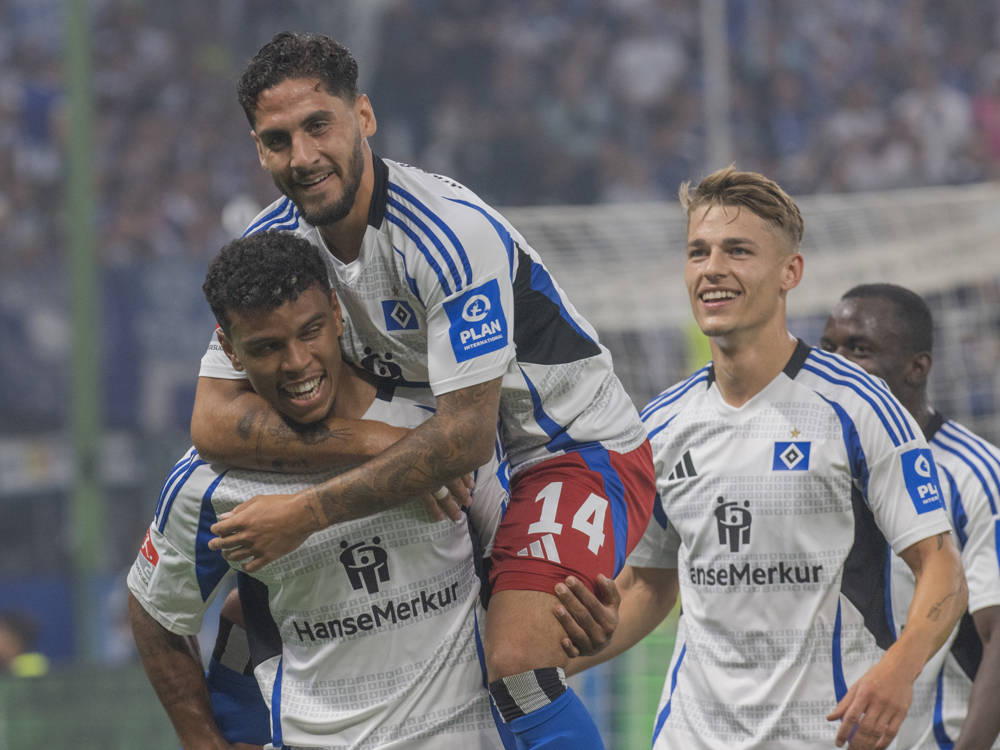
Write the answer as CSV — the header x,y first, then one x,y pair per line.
x,y
312,144
866,330
291,354
739,268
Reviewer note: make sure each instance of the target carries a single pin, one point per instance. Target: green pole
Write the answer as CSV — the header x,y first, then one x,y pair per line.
x,y
86,515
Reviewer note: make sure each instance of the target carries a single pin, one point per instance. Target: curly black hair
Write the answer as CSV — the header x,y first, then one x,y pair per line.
x,y
261,272
298,55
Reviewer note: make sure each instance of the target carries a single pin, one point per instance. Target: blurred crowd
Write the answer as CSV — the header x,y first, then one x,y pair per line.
x,y
530,102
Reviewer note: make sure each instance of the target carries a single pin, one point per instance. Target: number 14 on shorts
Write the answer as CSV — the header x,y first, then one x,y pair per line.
x,y
588,520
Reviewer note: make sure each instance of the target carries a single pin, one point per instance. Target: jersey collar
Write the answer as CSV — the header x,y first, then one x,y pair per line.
x,y
791,369
380,192
933,425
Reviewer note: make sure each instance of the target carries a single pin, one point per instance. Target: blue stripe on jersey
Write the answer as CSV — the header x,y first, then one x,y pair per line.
x,y
194,464
597,459
289,219
842,367
658,513
507,737
975,452
280,213
854,387
896,433
462,255
940,735
179,468
657,430
423,251
996,540
410,281
887,599
839,683
541,281
209,565
959,518
559,439
852,442
276,738
501,230
673,393
662,718
449,261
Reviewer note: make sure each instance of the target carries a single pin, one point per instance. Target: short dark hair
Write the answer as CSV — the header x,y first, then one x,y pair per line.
x,y
760,194
912,313
261,272
298,55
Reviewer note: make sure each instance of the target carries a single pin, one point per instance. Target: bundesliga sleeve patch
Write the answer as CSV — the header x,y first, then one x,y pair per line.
x,y
791,456
478,325
921,480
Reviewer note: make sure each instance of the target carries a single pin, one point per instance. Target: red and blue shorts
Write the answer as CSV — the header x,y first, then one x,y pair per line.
x,y
577,514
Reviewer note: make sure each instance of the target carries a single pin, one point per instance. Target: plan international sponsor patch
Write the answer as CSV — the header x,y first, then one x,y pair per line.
x,y
478,325
921,479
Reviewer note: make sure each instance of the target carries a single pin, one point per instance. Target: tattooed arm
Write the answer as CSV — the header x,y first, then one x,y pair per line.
x,y
457,439
876,705
173,665
232,424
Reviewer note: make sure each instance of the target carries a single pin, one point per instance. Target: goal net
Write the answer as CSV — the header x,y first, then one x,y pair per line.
x,y
622,265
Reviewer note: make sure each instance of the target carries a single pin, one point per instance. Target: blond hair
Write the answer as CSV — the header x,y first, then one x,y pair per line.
x,y
759,194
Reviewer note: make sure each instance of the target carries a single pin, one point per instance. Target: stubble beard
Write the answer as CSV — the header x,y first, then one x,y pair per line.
x,y
340,208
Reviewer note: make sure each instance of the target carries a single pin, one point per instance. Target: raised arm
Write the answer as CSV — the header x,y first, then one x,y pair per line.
x,y
982,722
457,439
876,705
173,665
232,424
646,596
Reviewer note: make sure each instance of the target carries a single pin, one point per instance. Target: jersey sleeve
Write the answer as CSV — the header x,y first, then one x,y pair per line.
x,y
466,282
980,540
215,363
175,577
659,544
898,475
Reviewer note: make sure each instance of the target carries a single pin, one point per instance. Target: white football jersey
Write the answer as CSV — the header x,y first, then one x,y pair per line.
x,y
446,293
778,516
969,473
366,636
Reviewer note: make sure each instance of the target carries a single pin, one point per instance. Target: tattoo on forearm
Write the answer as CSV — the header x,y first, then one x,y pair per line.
x,y
940,541
935,612
436,449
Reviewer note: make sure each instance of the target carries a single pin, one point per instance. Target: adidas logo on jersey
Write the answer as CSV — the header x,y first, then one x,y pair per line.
x,y
542,549
684,468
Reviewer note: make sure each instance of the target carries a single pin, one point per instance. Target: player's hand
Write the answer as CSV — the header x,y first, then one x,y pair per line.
x,y
589,620
448,501
263,529
873,708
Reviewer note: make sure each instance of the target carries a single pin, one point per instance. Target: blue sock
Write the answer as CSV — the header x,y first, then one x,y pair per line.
x,y
543,712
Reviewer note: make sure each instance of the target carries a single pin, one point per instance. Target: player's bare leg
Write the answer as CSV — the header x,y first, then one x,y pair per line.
x,y
525,661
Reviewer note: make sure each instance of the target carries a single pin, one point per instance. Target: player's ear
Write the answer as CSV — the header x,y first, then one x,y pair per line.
x,y
260,148
366,115
791,271
227,347
337,314
917,369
